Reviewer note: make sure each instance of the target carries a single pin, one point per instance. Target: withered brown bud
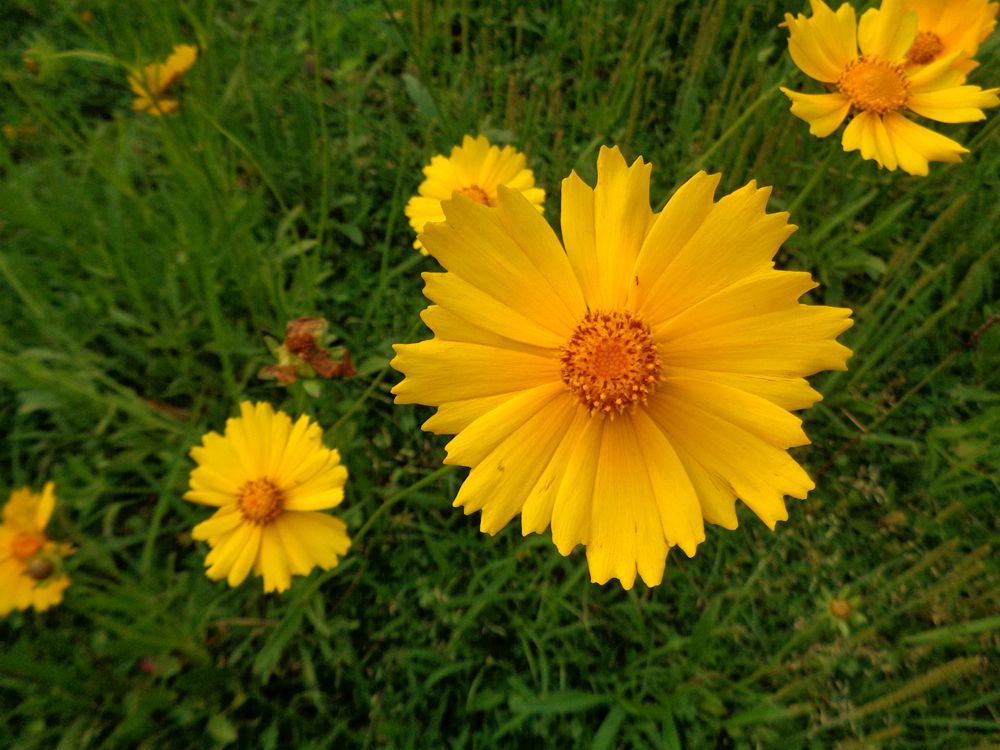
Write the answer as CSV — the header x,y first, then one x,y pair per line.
x,y
41,568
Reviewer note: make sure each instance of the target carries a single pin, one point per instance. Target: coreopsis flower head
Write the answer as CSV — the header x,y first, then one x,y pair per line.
x,y
950,29
31,564
627,388
866,66
269,478
304,356
153,85
476,169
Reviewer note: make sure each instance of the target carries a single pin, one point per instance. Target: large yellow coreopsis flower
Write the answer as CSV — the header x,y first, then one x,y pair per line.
x,y
31,571
476,169
946,28
152,85
268,477
630,387
879,84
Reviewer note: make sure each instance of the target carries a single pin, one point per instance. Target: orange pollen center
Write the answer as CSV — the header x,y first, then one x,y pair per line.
x,y
610,362
260,501
926,47
874,85
477,194
25,545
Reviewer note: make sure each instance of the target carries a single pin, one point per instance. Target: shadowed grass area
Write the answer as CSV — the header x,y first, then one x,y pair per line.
x,y
143,260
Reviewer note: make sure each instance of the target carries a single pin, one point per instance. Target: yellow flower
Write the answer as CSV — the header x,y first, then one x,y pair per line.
x,y
631,386
878,84
268,477
31,572
153,83
947,27
475,169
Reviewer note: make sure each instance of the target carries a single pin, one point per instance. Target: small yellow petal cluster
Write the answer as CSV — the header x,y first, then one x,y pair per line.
x,y
154,83
475,169
31,564
269,478
908,56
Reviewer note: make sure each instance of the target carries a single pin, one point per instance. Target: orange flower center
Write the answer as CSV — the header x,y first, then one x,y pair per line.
x,y
26,545
874,85
926,47
477,194
610,362
840,608
260,501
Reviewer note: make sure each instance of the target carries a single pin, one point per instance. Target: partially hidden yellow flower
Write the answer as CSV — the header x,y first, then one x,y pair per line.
x,y
31,564
268,478
949,27
878,84
153,85
627,388
476,169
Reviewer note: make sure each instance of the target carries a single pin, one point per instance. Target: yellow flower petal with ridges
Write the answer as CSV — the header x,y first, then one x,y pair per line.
x,y
880,82
476,169
669,392
268,476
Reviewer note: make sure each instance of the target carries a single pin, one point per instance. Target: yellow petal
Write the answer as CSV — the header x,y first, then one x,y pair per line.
x,y
473,444
222,522
822,45
500,483
430,368
676,499
735,240
916,145
481,311
788,393
887,31
622,217
318,537
823,112
687,208
476,246
788,344
958,104
452,418
763,292
246,556
571,512
324,490
273,565
579,234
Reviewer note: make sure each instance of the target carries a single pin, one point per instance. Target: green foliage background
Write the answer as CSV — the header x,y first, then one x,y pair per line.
x,y
143,259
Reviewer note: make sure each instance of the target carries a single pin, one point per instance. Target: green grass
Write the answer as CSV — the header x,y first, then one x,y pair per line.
x,y
143,260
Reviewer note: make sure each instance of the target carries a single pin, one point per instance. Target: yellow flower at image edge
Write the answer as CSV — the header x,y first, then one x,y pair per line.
x,y
946,28
879,84
268,477
154,82
627,388
475,169
31,573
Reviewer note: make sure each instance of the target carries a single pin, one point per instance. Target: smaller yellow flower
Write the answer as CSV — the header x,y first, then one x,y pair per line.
x,y
153,83
946,28
31,572
863,63
476,169
268,478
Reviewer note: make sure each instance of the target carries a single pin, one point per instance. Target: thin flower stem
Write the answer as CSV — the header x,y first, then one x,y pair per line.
x,y
324,135
735,127
393,499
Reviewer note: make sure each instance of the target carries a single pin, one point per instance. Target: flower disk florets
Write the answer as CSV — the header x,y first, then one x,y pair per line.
x,y
926,48
260,501
874,85
610,362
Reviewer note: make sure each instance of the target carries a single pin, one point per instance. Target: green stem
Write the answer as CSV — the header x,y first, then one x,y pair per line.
x,y
814,179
